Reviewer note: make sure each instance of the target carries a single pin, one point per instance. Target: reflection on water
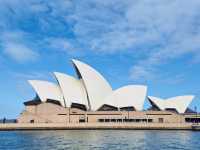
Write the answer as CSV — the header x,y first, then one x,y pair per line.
x,y
99,140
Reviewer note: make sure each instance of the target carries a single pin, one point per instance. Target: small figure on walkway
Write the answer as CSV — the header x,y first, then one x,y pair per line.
x,y
4,120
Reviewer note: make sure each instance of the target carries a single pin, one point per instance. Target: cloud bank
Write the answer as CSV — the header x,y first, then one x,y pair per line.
x,y
157,31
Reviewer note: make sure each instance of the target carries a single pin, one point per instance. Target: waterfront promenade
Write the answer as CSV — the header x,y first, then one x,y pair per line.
x,y
96,126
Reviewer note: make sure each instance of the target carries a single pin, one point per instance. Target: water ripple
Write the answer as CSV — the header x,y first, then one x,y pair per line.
x,y
99,140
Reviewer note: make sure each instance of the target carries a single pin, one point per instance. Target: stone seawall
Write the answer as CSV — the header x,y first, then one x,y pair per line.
x,y
97,126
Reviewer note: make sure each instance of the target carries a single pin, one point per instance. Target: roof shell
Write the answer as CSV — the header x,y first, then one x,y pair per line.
x,y
96,86
180,103
72,89
131,95
47,90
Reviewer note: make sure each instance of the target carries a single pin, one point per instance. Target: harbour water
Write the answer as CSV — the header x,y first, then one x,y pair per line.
x,y
99,140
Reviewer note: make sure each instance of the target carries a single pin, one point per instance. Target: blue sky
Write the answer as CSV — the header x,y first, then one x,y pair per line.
x,y
130,42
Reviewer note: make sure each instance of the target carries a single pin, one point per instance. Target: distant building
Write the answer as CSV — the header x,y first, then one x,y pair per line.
x,y
90,98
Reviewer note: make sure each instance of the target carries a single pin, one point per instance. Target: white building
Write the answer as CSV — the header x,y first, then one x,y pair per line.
x,y
90,98
90,89
179,103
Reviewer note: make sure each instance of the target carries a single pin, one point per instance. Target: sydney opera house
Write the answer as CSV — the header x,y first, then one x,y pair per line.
x,y
89,98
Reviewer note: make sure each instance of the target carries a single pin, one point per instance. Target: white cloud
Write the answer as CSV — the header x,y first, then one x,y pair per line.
x,y
188,45
140,73
32,75
63,45
14,46
20,52
175,26
160,30
60,44
113,26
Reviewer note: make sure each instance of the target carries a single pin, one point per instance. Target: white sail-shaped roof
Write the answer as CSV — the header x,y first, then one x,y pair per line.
x,y
96,86
47,90
180,103
132,95
72,88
